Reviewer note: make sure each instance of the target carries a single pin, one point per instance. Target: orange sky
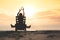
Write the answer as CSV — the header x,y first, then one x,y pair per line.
x,y
46,13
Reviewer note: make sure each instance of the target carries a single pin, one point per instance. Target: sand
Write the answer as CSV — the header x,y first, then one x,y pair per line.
x,y
30,35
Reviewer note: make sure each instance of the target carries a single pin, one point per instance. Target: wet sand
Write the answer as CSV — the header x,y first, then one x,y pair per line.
x,y
30,35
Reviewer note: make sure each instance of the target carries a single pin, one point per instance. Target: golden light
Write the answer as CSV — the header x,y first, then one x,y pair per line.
x,y
29,11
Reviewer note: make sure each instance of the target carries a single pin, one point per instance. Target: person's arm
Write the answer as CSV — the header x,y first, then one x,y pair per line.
x,y
18,12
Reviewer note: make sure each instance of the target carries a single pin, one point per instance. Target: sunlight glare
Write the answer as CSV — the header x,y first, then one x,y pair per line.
x,y
29,11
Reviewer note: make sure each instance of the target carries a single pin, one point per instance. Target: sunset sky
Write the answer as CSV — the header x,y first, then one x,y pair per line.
x,y
41,14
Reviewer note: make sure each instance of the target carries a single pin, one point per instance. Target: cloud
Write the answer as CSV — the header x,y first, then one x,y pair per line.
x,y
52,15
5,21
47,20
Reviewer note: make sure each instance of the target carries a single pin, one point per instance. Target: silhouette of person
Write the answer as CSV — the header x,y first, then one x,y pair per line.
x,y
20,18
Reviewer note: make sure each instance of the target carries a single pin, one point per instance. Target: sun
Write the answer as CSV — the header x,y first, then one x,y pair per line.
x,y
29,11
